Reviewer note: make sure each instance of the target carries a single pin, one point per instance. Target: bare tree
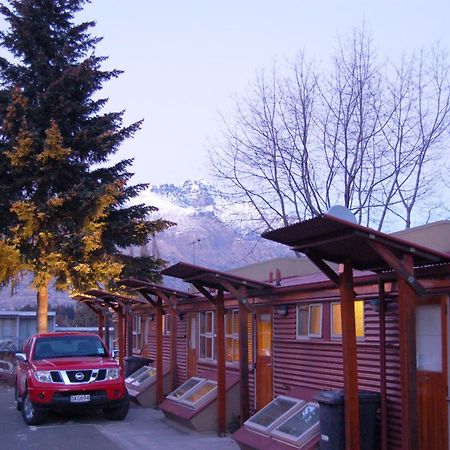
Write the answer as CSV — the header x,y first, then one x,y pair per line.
x,y
364,134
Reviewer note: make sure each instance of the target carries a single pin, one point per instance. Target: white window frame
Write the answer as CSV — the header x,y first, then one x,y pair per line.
x,y
309,334
297,404
137,333
305,436
207,335
166,324
234,336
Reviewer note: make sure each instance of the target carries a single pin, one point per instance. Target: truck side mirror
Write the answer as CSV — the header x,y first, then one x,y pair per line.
x,y
21,357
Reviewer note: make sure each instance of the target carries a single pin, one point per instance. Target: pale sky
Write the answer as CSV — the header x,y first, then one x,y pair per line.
x,y
184,61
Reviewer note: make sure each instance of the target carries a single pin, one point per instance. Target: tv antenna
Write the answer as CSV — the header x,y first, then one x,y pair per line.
x,y
194,243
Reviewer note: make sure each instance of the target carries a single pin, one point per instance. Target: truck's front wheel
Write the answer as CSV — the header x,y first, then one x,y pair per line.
x,y
120,412
30,414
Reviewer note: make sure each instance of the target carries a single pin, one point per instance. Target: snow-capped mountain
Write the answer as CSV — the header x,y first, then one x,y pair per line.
x,y
210,232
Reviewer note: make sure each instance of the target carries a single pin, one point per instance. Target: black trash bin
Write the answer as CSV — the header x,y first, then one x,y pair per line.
x,y
332,428
133,363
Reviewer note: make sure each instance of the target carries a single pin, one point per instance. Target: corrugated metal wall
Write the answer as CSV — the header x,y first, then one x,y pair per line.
x,y
318,363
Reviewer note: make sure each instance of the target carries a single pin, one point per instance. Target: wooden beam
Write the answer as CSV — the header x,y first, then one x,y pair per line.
x,y
205,292
147,297
243,363
221,369
240,294
168,300
403,272
408,373
173,345
159,353
351,406
323,266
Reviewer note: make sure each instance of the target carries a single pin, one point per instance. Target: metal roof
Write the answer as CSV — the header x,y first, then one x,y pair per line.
x,y
337,240
212,278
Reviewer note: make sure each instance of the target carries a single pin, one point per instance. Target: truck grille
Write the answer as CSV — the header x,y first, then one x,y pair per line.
x,y
78,376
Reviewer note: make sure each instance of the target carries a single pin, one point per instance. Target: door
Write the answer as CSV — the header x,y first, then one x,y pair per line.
x,y
192,346
264,371
431,350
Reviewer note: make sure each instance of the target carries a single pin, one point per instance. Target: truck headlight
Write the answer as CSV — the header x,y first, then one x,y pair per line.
x,y
112,374
43,376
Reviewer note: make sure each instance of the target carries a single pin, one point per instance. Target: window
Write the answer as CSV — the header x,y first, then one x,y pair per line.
x,y
309,321
166,323
194,392
141,375
273,414
232,336
137,332
336,324
207,335
301,426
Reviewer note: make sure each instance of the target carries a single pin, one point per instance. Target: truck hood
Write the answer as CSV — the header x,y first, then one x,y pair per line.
x,y
76,363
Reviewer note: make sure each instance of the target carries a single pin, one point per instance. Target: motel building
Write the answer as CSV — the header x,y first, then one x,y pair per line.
x,y
343,347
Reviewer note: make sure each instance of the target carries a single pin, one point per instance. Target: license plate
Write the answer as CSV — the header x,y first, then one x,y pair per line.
x,y
80,398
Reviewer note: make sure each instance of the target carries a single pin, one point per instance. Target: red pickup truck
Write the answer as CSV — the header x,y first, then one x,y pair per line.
x,y
68,371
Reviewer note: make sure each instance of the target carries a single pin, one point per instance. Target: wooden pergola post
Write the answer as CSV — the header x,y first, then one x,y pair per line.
x,y
407,325
173,345
129,318
243,362
106,322
351,400
159,353
120,325
221,370
100,323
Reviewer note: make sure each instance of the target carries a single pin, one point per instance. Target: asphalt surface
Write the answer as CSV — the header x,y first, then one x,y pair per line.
x,y
142,428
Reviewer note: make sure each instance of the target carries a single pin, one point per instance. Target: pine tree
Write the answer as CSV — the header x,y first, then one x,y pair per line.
x,y
63,209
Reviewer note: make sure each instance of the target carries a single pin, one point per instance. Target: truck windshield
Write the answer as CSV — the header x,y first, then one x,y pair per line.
x,y
68,347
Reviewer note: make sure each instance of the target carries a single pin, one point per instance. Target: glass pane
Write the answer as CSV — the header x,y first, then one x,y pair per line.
x,y
301,421
302,320
272,411
200,392
429,338
202,323
315,320
229,349
145,375
228,323
265,335
336,325
186,386
209,322
359,318
209,350
235,322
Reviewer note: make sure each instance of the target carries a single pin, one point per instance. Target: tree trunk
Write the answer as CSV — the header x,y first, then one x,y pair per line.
x,y
42,309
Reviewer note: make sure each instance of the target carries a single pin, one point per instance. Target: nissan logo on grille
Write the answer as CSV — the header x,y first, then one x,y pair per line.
x,y
79,376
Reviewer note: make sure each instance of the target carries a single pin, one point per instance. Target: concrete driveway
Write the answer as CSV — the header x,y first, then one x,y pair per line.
x,y
142,428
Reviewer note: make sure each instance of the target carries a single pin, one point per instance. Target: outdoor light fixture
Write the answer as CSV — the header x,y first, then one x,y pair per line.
x,y
282,310
181,316
152,317
375,304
